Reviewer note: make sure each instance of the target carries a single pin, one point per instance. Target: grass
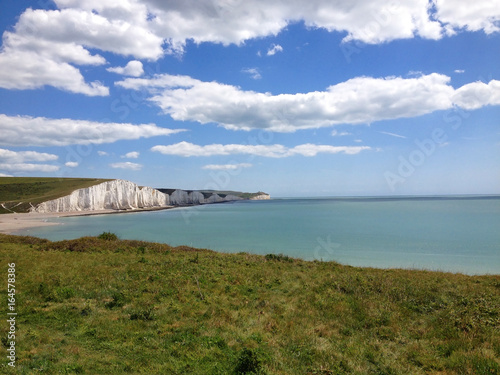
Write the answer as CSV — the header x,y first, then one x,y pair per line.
x,y
108,306
17,194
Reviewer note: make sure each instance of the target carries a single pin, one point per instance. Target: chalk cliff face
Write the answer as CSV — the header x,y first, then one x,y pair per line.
x,y
183,198
115,195
125,195
260,197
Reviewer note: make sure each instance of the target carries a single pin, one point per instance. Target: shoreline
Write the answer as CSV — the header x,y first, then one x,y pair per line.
x,y
15,222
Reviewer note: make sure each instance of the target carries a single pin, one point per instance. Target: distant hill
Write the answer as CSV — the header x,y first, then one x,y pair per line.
x,y
18,194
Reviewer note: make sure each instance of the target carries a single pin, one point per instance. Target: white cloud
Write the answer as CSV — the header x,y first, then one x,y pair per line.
x,y
459,71
274,49
28,167
220,21
477,94
127,165
359,100
71,164
23,156
5,175
45,43
131,155
226,167
133,68
45,47
15,161
27,70
41,131
102,153
470,15
253,72
187,149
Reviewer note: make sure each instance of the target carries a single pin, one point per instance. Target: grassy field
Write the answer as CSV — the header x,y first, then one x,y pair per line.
x,y
107,306
16,193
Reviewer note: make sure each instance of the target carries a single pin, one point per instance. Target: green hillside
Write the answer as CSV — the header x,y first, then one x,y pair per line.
x,y
100,305
16,193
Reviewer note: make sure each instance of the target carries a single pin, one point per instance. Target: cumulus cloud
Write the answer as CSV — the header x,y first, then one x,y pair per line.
x,y
226,167
46,47
16,161
187,149
102,153
23,156
41,131
234,22
133,68
477,94
469,15
360,100
22,70
131,155
71,164
274,49
127,165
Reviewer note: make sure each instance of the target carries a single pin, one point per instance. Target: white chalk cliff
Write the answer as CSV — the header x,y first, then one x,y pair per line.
x,y
125,195
261,197
184,198
114,195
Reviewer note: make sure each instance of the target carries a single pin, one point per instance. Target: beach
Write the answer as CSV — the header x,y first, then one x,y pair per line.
x,y
12,223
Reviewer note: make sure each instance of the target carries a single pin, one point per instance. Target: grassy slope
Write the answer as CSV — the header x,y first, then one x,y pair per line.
x,y
16,193
100,306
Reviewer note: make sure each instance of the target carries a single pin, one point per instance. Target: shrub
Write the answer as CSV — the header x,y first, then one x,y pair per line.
x,y
279,258
108,236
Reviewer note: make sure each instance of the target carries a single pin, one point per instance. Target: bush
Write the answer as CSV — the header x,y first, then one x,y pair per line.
x,y
279,258
108,236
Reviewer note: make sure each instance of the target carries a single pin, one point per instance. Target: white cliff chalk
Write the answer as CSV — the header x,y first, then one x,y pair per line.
x,y
116,195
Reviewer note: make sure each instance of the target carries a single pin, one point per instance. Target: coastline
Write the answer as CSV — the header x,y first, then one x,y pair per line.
x,y
14,222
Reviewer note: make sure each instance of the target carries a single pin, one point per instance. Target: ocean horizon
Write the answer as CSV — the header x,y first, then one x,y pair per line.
x,y
440,233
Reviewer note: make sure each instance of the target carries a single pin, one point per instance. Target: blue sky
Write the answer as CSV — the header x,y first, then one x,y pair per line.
x,y
322,98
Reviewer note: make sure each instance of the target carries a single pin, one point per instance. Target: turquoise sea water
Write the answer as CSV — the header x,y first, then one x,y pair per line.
x,y
449,234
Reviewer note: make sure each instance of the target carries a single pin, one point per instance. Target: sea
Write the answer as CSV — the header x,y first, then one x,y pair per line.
x,y
451,234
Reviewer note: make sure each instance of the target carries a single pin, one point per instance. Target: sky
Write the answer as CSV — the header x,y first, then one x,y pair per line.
x,y
294,98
